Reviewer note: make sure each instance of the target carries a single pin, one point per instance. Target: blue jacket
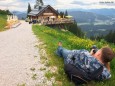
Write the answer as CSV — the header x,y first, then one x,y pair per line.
x,y
84,61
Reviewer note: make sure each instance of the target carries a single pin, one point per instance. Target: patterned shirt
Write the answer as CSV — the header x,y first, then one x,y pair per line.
x,y
83,60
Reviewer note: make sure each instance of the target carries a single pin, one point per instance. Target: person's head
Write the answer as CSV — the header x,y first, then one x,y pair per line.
x,y
105,55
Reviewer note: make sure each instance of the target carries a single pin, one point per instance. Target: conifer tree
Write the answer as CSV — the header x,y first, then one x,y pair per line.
x,y
29,8
75,30
110,37
62,14
8,12
41,2
66,13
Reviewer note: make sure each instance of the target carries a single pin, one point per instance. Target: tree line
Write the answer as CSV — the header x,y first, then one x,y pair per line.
x,y
62,13
5,12
73,28
110,37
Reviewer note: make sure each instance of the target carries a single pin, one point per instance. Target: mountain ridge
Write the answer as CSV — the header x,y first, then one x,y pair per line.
x,y
103,11
81,16
106,12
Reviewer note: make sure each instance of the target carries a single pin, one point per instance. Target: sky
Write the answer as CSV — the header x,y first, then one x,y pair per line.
x,y
21,5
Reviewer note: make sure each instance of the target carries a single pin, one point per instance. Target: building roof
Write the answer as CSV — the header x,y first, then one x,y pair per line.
x,y
35,12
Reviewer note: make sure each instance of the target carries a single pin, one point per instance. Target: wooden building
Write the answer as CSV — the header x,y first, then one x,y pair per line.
x,y
45,14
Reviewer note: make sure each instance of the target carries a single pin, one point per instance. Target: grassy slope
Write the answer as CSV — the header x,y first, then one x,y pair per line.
x,y
3,19
51,37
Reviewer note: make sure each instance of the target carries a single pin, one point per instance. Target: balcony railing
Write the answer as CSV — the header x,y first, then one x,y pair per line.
x,y
58,21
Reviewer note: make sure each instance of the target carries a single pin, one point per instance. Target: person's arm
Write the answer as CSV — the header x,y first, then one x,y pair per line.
x,y
108,66
105,74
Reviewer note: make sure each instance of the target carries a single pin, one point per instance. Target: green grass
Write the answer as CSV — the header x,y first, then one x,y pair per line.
x,y
42,69
32,69
34,76
3,21
49,75
21,84
51,37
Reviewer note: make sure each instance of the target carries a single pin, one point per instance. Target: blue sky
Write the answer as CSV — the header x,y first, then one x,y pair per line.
x,y
21,5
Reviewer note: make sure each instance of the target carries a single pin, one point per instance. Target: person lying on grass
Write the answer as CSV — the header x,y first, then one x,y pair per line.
x,y
87,62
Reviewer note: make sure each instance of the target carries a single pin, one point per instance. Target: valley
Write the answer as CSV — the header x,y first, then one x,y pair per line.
x,y
94,24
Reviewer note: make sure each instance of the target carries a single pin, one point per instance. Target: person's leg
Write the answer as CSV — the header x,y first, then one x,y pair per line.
x,y
66,54
62,52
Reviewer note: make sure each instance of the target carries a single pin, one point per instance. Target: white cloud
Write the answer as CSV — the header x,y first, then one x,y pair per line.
x,y
64,1
58,4
84,4
15,5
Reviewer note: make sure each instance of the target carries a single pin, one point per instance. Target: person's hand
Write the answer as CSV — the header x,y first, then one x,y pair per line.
x,y
91,52
59,43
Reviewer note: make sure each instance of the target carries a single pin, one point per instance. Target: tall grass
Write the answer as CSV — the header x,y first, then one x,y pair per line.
x,y
51,37
3,22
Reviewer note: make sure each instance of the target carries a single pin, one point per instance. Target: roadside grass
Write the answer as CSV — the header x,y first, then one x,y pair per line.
x,y
51,37
34,76
21,84
32,69
3,22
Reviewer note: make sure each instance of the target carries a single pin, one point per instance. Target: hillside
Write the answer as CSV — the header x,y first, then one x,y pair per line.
x,y
103,11
3,19
93,23
51,37
82,17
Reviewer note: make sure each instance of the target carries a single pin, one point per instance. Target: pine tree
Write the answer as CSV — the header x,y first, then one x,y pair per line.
x,y
66,13
41,2
29,8
61,14
108,37
8,12
113,37
75,30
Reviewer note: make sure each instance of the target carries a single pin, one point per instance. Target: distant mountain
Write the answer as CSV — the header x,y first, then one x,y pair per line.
x,y
86,12
21,15
84,17
93,23
103,11
97,11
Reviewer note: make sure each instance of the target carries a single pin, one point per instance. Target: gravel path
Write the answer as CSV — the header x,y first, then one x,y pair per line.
x,y
19,58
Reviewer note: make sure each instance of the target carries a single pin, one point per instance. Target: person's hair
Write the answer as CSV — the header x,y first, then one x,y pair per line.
x,y
107,56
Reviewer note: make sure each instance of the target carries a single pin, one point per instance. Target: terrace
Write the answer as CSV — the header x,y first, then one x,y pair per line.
x,y
57,21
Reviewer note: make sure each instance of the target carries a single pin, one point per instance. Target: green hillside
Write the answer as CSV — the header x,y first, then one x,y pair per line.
x,y
51,37
3,21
